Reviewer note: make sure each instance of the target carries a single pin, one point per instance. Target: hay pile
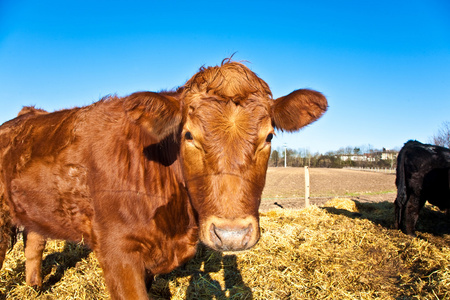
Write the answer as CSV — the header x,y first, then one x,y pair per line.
x,y
70,271
344,250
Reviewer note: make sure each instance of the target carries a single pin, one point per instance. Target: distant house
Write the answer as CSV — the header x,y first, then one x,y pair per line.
x,y
372,156
389,155
354,157
385,154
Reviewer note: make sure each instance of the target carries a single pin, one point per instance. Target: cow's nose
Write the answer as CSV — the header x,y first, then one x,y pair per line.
x,y
231,238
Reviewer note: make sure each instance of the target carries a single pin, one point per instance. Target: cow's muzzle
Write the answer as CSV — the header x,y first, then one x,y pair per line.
x,y
230,235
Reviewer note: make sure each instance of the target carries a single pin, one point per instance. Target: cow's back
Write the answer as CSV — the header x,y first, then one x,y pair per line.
x,y
45,191
35,136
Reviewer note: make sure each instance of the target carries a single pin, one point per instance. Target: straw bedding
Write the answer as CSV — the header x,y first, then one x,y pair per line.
x,y
343,250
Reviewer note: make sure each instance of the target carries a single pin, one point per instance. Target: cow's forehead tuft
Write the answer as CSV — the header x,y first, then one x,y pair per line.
x,y
230,81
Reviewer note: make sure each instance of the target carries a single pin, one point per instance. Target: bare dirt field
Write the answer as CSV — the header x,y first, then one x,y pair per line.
x,y
285,187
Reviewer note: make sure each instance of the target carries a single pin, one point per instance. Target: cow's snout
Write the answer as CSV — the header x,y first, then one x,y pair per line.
x,y
234,235
231,239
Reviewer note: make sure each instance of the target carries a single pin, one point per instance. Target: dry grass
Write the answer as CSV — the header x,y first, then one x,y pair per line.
x,y
70,271
344,250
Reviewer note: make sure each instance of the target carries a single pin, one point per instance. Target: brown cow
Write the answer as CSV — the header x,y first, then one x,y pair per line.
x,y
142,179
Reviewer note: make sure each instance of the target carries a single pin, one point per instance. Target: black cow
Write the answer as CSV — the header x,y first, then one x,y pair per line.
x,y
423,173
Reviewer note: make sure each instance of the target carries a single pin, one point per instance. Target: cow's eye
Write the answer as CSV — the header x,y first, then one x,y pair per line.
x,y
188,136
269,138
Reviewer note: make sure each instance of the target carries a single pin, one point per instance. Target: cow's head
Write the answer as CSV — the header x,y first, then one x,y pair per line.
x,y
225,118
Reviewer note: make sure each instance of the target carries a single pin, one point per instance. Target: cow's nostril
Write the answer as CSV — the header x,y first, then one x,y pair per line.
x,y
215,237
247,236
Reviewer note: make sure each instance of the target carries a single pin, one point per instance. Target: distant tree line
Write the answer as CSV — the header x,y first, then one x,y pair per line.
x,y
362,156
344,157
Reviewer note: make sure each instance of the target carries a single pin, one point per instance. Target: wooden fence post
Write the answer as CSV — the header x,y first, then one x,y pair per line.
x,y
306,186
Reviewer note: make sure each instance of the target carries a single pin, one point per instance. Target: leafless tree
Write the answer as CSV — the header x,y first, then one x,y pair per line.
x,y
275,157
442,137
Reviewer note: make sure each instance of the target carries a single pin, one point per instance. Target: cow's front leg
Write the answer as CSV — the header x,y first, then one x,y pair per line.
x,y
411,214
34,247
124,274
398,214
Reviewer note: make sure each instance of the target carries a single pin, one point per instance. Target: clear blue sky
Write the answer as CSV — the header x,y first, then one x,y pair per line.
x,y
383,65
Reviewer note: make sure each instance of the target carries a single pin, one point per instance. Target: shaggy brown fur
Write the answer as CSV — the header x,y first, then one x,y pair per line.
x,y
141,179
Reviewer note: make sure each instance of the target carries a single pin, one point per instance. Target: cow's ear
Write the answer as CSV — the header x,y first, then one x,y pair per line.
x,y
298,109
159,114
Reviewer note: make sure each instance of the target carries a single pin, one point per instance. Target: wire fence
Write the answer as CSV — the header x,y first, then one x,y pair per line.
x,y
380,170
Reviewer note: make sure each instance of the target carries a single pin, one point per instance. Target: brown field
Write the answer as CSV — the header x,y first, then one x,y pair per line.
x,y
286,186
290,182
